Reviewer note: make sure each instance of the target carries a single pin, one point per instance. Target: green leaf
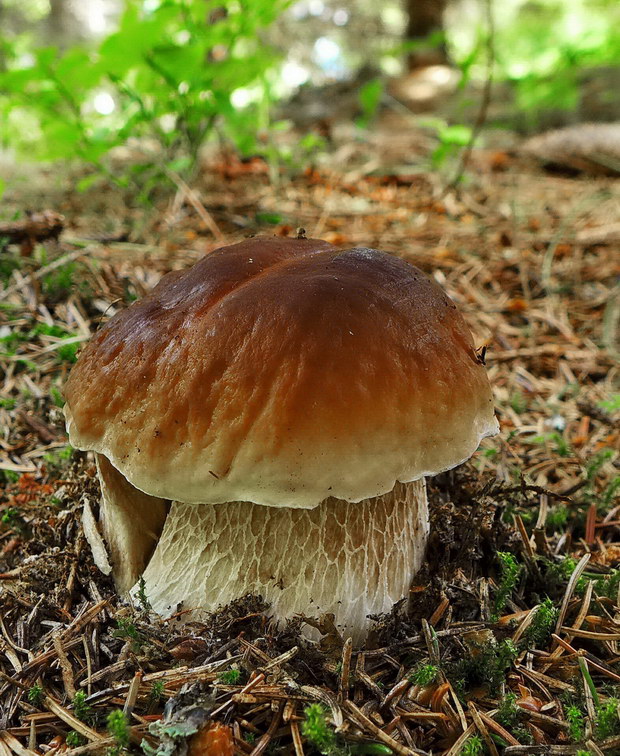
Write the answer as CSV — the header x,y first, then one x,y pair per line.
x,y
271,218
369,98
457,134
85,183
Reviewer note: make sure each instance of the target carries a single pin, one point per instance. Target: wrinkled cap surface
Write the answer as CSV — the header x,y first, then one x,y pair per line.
x,y
281,372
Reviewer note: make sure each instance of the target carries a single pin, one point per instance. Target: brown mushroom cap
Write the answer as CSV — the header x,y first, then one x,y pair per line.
x,y
282,372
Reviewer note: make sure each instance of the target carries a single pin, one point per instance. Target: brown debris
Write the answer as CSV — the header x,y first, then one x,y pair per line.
x,y
36,228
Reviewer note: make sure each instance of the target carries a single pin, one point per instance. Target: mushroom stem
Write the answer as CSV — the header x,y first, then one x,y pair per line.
x,y
122,506
349,559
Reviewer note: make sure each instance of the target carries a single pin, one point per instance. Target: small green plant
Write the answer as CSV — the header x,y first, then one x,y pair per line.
x,y
143,599
509,715
594,465
452,139
592,470
8,403
510,571
424,675
557,517
156,692
486,668
74,739
57,459
35,695
611,405
68,352
10,342
126,630
369,99
560,572
56,396
560,445
317,730
608,719
12,518
81,708
473,746
518,402
58,284
9,516
8,263
118,728
575,723
539,632
610,493
230,676
65,352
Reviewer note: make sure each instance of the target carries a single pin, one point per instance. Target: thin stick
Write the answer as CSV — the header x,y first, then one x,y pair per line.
x,y
484,102
343,686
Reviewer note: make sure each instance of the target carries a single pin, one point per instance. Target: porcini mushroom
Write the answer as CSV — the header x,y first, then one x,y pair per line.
x,y
263,422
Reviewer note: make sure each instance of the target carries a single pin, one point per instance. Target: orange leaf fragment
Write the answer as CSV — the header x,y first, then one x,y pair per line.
x,y
443,253
499,161
214,740
334,237
517,305
529,702
582,435
533,224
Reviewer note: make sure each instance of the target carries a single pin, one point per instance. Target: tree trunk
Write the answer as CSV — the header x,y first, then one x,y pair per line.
x,y
425,28
60,24
3,43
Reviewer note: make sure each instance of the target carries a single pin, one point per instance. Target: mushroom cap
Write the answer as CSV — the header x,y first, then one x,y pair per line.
x,y
282,372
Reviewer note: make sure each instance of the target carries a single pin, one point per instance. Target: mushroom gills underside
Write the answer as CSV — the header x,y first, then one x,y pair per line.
x,y
131,524
349,559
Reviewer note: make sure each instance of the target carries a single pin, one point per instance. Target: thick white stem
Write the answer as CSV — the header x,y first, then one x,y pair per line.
x,y
348,559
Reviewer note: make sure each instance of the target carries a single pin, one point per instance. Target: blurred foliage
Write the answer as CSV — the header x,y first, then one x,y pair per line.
x,y
177,72
167,76
544,48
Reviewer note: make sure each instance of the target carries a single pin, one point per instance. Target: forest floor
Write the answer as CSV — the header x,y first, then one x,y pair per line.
x,y
510,640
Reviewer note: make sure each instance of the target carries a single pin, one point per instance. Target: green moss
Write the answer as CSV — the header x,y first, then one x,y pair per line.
x,y
81,708
156,692
317,731
126,630
118,728
575,721
607,719
510,571
510,716
35,695
74,739
425,674
539,632
230,676
487,668
473,746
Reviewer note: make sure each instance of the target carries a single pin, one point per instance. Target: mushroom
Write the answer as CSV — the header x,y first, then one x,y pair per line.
x,y
264,421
